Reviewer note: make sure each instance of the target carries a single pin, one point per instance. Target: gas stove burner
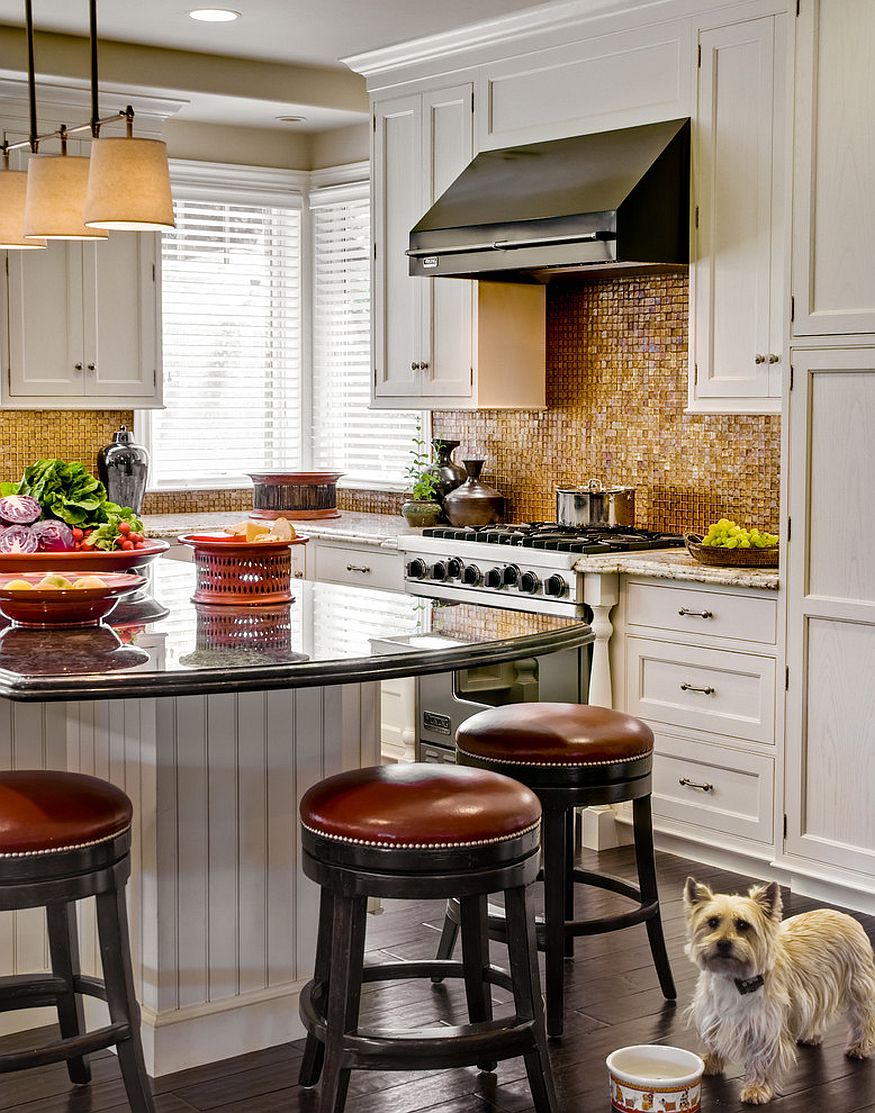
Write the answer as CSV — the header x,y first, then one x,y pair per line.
x,y
589,540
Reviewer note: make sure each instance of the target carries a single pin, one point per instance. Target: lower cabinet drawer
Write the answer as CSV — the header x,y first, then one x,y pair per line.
x,y
371,567
722,692
713,787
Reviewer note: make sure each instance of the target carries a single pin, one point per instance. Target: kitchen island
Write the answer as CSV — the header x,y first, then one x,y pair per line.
x,y
215,720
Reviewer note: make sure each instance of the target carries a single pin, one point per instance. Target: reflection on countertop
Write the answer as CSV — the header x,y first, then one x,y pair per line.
x,y
327,634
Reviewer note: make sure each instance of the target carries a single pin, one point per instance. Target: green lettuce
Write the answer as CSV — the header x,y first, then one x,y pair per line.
x,y
108,536
65,491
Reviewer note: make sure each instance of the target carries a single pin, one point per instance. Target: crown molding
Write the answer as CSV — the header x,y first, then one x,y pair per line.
x,y
59,97
221,180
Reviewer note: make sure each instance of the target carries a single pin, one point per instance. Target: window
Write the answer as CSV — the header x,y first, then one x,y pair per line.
x,y
365,444
246,386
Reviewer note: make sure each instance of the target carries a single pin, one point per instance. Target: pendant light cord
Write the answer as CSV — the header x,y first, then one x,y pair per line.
x,y
31,76
95,107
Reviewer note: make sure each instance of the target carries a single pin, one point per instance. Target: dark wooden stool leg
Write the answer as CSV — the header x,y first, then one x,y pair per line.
x,y
64,950
555,866
447,942
570,834
646,861
473,914
314,1052
344,996
523,956
115,954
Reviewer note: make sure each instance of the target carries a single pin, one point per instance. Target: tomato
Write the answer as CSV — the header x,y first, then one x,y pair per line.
x,y
77,534
138,544
127,545
135,536
124,527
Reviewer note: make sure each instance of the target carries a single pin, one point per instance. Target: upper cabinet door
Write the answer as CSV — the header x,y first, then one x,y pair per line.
x,y
43,324
738,187
399,200
833,213
448,147
122,318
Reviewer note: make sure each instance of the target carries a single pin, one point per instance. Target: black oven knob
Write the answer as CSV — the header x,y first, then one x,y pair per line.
x,y
555,585
454,568
471,575
529,583
511,575
439,571
495,577
417,569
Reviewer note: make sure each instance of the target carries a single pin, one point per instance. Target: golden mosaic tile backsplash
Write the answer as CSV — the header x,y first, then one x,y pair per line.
x,y
28,435
616,392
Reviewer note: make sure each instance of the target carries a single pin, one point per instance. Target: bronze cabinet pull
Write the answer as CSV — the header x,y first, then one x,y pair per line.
x,y
709,691
704,786
363,568
695,614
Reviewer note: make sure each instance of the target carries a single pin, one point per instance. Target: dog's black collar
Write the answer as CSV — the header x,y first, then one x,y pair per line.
x,y
750,985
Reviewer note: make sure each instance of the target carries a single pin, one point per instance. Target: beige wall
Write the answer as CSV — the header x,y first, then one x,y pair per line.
x,y
240,145
340,146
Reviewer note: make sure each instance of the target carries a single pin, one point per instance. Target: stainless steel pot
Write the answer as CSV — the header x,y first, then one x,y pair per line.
x,y
595,505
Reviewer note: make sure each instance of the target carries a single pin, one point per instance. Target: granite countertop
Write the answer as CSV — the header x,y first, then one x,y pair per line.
x,y
161,643
352,527
677,564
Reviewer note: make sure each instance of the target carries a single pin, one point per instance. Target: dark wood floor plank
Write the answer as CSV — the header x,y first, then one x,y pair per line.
x,y
613,1000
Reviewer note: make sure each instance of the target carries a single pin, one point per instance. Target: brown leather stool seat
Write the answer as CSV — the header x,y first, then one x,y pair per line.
x,y
65,837
572,756
414,832
563,734
45,812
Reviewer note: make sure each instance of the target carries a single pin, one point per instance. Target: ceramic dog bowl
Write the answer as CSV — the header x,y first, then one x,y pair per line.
x,y
655,1078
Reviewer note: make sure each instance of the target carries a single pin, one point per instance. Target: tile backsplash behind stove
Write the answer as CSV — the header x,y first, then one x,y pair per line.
x,y
616,392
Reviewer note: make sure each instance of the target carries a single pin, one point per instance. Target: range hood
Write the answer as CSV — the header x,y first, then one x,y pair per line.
x,y
609,202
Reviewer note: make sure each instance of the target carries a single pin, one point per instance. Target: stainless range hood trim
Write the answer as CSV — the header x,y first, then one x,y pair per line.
x,y
510,245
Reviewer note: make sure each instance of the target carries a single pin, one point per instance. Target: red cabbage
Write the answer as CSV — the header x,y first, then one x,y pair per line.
x,y
18,539
53,536
20,509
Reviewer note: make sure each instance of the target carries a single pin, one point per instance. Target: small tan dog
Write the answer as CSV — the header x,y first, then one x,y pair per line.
x,y
766,984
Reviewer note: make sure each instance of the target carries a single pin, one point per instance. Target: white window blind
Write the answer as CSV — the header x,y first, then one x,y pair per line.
x,y
231,277
369,446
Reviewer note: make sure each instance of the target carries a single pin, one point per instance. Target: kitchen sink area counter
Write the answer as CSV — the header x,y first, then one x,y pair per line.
x,y
676,564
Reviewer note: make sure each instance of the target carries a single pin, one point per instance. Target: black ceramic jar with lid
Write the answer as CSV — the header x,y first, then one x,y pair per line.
x,y
123,468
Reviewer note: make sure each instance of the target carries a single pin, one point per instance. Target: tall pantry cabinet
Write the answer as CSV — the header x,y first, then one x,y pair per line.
x,y
830,527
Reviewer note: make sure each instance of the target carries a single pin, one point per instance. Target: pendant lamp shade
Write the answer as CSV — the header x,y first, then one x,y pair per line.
x,y
129,185
13,185
55,199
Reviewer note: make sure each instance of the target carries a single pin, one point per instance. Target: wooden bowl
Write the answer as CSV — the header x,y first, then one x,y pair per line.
x,y
63,607
718,556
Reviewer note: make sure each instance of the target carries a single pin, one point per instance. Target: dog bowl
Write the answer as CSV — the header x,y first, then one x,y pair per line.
x,y
656,1078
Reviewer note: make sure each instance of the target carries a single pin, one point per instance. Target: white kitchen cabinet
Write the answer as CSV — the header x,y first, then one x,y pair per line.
x,y
830,737
700,666
737,292
441,343
81,324
833,215
366,566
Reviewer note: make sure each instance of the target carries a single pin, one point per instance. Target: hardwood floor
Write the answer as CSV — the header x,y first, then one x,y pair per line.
x,y
613,1000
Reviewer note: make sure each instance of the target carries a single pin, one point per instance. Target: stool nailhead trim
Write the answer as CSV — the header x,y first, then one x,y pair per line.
x,y
420,845
64,849
558,764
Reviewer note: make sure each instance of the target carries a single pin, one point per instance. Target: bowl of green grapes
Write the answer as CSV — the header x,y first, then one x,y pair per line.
x,y
726,544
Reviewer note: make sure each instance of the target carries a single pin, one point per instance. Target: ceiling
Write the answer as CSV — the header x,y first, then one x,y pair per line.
x,y
316,32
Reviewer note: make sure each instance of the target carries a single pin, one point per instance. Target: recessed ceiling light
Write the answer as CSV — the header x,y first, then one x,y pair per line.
x,y
214,15
291,119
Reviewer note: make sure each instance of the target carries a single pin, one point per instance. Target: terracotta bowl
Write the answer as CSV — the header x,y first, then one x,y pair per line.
x,y
95,560
63,607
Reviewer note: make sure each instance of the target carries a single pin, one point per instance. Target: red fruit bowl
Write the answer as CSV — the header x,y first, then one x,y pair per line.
x,y
86,560
63,607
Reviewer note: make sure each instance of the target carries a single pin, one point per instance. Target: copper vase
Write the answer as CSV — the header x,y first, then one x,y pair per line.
x,y
474,503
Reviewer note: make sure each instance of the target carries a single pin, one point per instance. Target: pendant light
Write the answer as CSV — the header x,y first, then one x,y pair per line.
x,y
124,185
55,201
129,184
129,179
13,184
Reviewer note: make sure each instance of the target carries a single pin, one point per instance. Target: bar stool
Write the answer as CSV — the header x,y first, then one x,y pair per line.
x,y
571,755
418,832
63,837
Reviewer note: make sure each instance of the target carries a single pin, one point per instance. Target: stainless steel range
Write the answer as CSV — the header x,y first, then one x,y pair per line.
x,y
526,567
